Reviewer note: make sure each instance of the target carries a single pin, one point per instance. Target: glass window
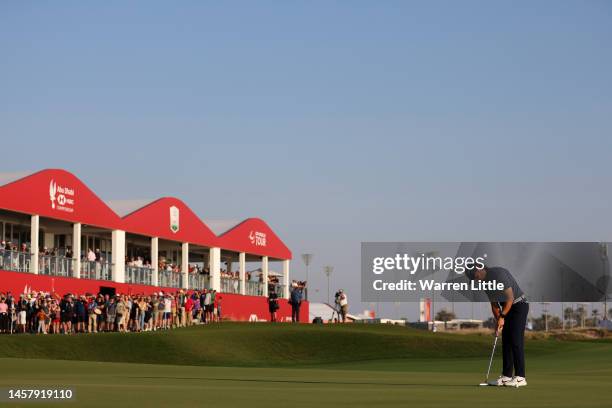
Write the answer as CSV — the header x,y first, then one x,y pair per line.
x,y
7,231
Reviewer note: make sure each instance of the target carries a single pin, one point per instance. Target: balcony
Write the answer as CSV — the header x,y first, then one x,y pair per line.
x,y
56,266
15,261
169,279
96,270
230,285
253,288
198,281
278,288
138,275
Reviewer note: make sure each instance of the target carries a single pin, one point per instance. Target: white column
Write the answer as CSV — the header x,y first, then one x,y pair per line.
x,y
76,249
242,272
286,280
185,265
34,229
155,260
264,272
214,264
118,256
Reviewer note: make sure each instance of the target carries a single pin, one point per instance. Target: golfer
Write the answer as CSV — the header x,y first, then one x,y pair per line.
x,y
510,309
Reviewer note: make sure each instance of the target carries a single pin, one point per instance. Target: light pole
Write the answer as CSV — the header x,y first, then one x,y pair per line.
x,y
545,310
583,307
603,251
328,271
307,258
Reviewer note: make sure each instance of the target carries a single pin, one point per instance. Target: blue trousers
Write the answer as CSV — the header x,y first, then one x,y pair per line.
x,y
513,340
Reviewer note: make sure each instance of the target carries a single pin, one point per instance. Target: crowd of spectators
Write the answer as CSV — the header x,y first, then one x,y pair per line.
x,y
48,313
11,246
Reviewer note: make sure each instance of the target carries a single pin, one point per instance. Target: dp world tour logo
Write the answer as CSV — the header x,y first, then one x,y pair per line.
x,y
257,238
174,219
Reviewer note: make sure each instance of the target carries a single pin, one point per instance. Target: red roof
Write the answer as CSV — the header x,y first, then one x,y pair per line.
x,y
172,219
254,236
60,195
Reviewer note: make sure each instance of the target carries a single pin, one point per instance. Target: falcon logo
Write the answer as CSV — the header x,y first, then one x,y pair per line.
x,y
52,192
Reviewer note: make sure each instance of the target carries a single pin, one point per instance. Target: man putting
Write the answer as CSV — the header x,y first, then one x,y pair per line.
x,y
510,309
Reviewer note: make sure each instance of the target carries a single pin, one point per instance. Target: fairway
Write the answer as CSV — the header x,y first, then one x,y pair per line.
x,y
560,373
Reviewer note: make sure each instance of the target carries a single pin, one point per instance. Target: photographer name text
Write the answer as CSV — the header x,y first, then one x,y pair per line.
x,y
430,284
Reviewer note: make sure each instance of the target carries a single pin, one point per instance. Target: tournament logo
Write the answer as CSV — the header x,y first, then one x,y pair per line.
x,y
174,219
257,238
52,192
62,197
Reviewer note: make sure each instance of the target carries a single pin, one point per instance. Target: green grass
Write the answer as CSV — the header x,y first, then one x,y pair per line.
x,y
303,366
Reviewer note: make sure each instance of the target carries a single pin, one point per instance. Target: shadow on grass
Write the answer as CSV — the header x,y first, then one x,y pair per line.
x,y
301,381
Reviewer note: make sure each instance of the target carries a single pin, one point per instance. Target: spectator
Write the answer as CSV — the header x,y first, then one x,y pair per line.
x,y
189,304
66,314
80,311
54,315
4,317
41,316
208,306
296,301
142,308
111,314
181,300
273,305
218,307
342,300
92,318
22,313
167,312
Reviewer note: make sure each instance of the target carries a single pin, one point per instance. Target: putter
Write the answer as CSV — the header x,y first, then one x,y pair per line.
x,y
486,381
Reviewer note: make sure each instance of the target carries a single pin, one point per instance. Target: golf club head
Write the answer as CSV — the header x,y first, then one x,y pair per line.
x,y
483,384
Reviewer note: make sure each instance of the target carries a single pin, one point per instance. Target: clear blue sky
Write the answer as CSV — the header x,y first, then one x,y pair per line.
x,y
337,122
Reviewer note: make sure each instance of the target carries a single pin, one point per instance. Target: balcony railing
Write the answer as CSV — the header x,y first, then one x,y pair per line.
x,y
55,266
230,285
253,288
278,288
138,275
169,279
15,261
96,270
62,266
198,281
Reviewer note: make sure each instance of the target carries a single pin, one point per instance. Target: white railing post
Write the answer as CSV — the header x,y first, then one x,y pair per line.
x,y
242,272
34,231
76,249
155,261
286,279
264,272
118,258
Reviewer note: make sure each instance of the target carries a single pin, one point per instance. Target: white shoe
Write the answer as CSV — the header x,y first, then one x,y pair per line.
x,y
500,381
516,381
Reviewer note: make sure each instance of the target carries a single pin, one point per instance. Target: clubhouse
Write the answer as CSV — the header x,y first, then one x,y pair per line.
x,y
85,245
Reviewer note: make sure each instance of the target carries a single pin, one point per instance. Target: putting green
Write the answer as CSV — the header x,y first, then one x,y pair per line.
x,y
560,373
